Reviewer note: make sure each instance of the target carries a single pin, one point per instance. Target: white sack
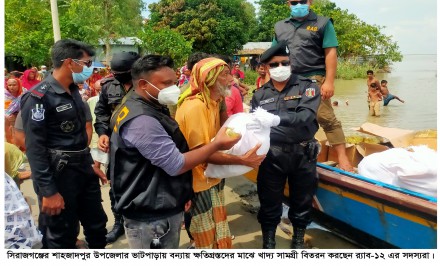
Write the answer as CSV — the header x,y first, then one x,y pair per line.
x,y
416,171
254,128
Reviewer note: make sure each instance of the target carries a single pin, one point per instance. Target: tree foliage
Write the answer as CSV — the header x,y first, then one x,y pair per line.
x,y
108,20
214,26
165,41
356,38
29,32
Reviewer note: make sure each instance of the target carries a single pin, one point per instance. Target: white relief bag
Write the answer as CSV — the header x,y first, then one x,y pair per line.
x,y
254,128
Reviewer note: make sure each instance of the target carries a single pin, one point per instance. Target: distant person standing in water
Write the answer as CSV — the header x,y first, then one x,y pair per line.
x,y
375,97
387,96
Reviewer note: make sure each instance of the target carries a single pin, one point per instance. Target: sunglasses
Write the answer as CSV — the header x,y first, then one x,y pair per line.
x,y
86,63
276,64
155,243
294,3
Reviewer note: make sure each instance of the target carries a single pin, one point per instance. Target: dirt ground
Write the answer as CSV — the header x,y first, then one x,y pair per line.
x,y
242,207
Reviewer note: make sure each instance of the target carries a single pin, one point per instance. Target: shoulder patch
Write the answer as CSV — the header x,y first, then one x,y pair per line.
x,y
38,113
310,92
39,91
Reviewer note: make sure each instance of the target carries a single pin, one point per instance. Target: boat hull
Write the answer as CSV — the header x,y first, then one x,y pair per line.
x,y
371,213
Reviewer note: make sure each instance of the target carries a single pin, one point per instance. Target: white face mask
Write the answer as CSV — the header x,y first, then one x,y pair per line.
x,y
167,96
280,73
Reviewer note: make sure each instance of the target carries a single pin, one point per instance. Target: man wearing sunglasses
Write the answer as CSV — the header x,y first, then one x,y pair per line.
x,y
293,149
54,123
313,53
113,91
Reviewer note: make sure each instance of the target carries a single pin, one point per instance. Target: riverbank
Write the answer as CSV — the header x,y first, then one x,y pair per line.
x,y
242,207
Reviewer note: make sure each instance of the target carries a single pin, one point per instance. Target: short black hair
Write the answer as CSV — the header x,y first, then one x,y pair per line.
x,y
370,72
373,85
260,65
194,58
149,63
383,81
68,48
225,58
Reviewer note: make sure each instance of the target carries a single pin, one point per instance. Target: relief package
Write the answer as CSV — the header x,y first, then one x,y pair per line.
x,y
254,128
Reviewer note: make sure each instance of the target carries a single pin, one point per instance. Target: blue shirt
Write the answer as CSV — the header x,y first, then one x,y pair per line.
x,y
147,135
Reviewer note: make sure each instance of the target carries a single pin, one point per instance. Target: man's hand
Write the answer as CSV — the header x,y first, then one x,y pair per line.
x,y
103,143
327,90
100,174
226,141
52,205
251,158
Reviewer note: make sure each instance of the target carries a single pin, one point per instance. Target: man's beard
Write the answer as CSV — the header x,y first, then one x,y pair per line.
x,y
224,91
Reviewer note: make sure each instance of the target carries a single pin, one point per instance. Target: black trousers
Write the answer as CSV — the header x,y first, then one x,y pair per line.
x,y
79,187
281,164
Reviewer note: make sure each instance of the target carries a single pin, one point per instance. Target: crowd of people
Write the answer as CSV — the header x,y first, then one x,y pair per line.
x,y
150,129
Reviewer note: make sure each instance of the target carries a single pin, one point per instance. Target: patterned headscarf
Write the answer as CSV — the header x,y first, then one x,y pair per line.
x,y
203,76
12,101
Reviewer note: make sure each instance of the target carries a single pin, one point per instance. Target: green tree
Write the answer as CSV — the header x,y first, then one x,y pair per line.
x,y
356,38
29,33
108,20
271,11
165,41
214,26
28,30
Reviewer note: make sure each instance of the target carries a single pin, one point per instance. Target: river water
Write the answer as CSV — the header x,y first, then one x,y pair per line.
x,y
414,80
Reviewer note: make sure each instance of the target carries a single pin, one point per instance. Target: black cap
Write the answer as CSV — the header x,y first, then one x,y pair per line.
x,y
122,62
280,49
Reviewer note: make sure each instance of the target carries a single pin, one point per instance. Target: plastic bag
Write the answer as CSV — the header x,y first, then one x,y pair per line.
x,y
254,128
414,168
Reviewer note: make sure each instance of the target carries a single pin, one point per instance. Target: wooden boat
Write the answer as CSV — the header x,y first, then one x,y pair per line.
x,y
371,213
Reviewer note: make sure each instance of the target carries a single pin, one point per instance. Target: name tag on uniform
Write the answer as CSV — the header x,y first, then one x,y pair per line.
x,y
294,97
271,100
64,107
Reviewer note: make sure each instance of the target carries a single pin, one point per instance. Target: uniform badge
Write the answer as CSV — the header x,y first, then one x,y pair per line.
x,y
38,113
64,107
67,126
287,50
271,100
310,92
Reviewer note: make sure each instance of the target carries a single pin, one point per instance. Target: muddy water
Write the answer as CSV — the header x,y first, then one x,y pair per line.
x,y
414,80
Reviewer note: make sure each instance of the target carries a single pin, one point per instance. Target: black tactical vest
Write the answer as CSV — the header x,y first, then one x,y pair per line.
x,y
304,42
142,190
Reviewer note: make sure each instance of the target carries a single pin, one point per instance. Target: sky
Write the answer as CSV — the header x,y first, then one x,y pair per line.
x,y
413,24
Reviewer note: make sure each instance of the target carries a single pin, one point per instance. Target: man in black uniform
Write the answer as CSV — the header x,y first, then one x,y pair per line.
x,y
56,145
293,149
112,92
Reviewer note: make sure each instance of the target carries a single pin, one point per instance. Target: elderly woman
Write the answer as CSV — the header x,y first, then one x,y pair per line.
x,y
29,78
13,94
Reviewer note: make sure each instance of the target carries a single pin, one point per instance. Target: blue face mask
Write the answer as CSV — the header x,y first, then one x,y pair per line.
x,y
82,76
299,10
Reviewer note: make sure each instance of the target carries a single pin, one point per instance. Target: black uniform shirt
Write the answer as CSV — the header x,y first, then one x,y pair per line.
x,y
112,93
297,105
52,119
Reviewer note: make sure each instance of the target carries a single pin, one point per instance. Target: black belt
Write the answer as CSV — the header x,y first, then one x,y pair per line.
x,y
72,153
291,147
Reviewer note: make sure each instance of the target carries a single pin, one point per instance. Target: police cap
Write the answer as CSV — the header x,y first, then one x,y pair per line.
x,y
280,49
122,61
